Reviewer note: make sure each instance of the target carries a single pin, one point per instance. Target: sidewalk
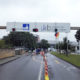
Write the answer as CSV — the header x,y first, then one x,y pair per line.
x,y
6,60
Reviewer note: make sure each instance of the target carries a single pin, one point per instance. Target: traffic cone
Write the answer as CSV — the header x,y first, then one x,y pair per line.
x,y
45,62
46,68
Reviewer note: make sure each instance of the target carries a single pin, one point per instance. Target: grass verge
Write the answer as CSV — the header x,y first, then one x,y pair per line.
x,y
71,58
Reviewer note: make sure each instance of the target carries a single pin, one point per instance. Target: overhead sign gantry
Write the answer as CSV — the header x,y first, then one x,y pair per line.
x,y
38,27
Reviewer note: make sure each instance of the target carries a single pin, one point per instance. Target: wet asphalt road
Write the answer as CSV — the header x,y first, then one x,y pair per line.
x,y
24,68
29,68
61,70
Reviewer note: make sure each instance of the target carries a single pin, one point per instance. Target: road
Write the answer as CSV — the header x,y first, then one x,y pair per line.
x,y
61,70
24,68
32,68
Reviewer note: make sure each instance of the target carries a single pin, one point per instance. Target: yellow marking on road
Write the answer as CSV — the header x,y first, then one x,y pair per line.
x,y
57,61
46,77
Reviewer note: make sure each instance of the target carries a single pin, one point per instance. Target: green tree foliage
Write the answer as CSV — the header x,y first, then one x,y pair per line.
x,y
59,45
77,35
62,45
25,39
65,45
3,45
44,44
65,42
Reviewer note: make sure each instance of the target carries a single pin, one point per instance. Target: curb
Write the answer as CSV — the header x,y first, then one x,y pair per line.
x,y
8,61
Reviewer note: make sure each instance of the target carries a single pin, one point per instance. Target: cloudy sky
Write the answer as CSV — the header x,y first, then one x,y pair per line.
x,y
41,11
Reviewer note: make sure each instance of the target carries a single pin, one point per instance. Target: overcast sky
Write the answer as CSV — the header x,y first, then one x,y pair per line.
x,y
41,11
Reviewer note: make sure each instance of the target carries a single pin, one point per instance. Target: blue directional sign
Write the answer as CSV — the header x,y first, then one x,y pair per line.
x,y
26,26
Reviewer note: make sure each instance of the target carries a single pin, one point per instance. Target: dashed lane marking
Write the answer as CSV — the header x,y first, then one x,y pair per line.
x,y
40,72
57,61
71,68
41,67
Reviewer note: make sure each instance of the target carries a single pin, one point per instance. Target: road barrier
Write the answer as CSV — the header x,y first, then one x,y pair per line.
x,y
46,66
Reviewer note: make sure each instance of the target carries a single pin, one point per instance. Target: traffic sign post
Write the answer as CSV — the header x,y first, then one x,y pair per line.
x,y
56,38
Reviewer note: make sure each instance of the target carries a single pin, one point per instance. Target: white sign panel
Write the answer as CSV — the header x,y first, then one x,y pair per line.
x,y
42,27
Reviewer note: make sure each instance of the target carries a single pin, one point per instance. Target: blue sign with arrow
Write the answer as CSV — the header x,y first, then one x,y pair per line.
x,y
26,26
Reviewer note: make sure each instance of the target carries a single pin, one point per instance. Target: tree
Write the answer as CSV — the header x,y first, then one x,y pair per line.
x,y
3,45
59,46
65,45
25,39
77,35
44,44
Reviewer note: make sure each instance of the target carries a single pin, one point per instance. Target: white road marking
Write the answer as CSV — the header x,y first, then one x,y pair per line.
x,y
64,66
71,68
41,70
68,69
41,67
57,61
